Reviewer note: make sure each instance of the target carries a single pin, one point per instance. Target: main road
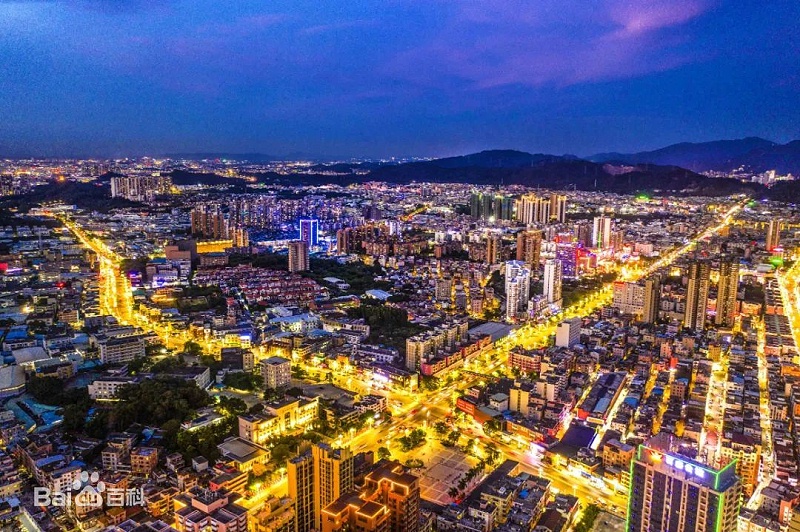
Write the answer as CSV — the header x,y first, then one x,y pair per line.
x,y
426,408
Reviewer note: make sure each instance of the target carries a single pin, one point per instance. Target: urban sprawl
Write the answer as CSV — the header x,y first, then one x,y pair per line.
x,y
391,357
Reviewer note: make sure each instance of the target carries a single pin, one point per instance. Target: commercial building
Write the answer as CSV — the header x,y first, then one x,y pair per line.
x,y
672,492
309,232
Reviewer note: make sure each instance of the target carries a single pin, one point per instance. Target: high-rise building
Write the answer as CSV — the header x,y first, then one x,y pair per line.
x,y
552,281
475,205
343,241
533,209
673,492
309,232
494,249
316,479
444,289
601,232
697,294
746,451
773,234
529,248
568,332
390,485
628,297
558,208
567,253
209,221
491,207
276,372
518,285
142,188
652,299
727,289
240,237
298,256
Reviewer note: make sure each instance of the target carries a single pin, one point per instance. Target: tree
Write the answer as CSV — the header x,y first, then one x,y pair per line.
x,y
452,438
453,492
384,453
193,348
492,453
587,521
492,426
440,428
74,418
232,405
242,380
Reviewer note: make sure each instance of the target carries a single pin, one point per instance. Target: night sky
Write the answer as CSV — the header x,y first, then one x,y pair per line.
x,y
393,77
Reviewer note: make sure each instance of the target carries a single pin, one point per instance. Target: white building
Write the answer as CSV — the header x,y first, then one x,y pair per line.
x,y
552,281
601,232
518,283
568,333
107,387
276,371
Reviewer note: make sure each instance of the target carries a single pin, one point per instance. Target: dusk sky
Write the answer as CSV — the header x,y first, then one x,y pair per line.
x,y
393,77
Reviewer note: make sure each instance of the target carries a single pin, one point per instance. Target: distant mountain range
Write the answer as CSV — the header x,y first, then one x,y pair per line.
x,y
561,172
504,167
752,153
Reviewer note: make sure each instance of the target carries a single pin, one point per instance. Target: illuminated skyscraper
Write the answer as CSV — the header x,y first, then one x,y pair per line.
x,y
298,256
316,479
697,295
393,487
558,208
773,234
529,248
567,253
652,299
671,492
727,289
494,249
209,221
518,284
552,281
309,232
601,232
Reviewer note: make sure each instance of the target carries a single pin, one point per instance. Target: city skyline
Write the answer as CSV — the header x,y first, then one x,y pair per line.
x,y
434,79
399,266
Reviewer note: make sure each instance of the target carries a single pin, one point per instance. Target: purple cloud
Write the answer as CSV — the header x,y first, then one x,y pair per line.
x,y
559,43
